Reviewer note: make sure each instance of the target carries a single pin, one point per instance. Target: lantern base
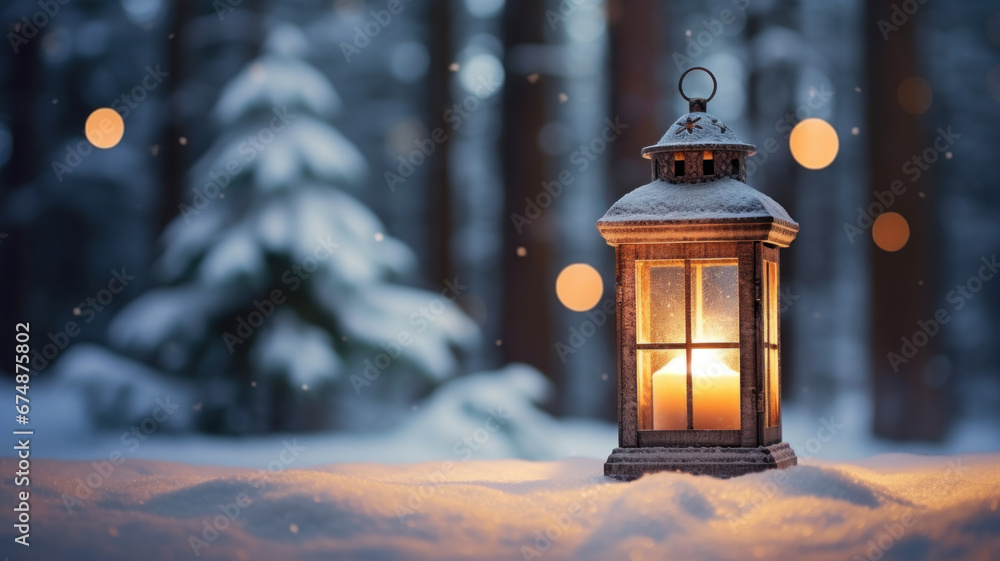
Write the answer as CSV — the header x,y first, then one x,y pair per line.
x,y
627,464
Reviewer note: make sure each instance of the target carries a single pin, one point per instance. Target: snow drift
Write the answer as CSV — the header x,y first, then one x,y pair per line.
x,y
889,507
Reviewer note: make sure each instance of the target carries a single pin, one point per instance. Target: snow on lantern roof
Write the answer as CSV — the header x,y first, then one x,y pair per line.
x,y
722,210
698,131
722,200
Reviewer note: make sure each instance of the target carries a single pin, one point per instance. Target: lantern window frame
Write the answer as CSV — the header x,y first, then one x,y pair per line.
x,y
754,403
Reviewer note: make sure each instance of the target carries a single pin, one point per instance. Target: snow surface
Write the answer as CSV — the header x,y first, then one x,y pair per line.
x,y
721,199
460,500
889,507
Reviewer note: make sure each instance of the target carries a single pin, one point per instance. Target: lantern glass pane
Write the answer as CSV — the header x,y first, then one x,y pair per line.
x,y
660,301
715,310
663,377
771,344
715,382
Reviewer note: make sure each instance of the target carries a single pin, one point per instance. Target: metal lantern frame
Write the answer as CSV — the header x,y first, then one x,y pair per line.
x,y
691,212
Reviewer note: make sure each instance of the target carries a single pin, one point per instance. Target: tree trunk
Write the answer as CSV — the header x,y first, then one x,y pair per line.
x,y
637,38
527,294
173,165
22,92
438,177
905,406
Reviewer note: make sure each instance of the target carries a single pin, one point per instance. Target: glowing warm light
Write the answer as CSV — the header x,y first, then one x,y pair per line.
x,y
814,143
695,302
915,95
715,388
104,128
891,231
579,287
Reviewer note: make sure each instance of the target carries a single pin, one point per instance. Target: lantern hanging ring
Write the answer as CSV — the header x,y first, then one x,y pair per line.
x,y
680,83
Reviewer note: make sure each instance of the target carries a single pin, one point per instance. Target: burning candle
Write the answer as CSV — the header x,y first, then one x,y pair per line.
x,y
716,394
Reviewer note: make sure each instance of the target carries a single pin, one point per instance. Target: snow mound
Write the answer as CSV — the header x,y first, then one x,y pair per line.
x,y
486,415
904,507
116,391
495,415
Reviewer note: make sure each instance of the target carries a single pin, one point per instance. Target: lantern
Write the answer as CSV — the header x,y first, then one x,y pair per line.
x,y
696,253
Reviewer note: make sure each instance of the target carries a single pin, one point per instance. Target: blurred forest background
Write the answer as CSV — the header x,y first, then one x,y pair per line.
x,y
407,140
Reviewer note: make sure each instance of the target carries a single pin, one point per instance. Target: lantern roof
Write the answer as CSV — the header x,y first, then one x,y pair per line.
x,y
705,207
725,199
698,130
725,209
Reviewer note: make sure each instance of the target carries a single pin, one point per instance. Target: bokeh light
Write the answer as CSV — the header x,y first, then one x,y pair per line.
x,y
482,75
104,128
579,287
409,61
484,9
143,12
729,103
915,95
814,143
891,231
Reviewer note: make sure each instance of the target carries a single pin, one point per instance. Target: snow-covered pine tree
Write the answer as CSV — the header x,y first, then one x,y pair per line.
x,y
277,283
